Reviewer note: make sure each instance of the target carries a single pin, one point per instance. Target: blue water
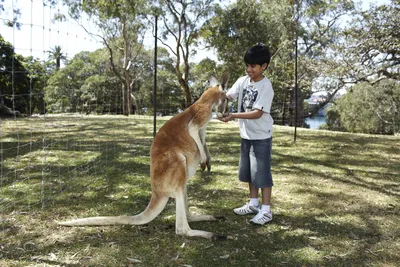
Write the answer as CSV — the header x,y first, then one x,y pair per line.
x,y
316,121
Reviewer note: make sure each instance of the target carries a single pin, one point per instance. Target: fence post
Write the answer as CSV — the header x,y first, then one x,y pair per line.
x,y
155,78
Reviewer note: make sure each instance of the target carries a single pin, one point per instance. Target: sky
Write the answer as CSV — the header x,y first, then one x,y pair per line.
x,y
38,34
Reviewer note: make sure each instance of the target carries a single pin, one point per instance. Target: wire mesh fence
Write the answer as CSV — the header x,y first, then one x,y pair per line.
x,y
45,154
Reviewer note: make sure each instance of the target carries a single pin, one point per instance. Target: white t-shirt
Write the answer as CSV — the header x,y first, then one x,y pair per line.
x,y
254,95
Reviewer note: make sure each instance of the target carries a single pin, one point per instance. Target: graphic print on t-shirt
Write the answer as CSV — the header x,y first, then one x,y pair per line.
x,y
249,97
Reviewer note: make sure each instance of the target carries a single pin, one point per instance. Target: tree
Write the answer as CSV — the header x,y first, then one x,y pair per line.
x,y
57,55
14,22
88,84
182,21
200,74
371,45
14,81
38,77
231,31
367,50
84,85
121,22
366,108
237,27
169,93
63,92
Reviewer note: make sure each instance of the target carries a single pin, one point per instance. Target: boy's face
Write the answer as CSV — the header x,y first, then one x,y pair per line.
x,y
255,71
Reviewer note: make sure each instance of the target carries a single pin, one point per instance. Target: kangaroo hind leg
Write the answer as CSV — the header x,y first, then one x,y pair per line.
x,y
182,226
194,217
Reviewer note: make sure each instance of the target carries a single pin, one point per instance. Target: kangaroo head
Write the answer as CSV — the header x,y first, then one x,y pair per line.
x,y
221,106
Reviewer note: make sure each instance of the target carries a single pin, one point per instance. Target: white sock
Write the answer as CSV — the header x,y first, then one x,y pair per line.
x,y
266,208
254,202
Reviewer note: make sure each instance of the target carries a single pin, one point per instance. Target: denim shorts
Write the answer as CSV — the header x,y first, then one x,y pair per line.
x,y
255,162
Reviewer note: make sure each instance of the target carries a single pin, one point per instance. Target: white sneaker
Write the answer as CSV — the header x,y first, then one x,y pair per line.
x,y
262,217
246,209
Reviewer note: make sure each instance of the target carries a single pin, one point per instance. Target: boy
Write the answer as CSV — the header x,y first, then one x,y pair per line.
x,y
255,95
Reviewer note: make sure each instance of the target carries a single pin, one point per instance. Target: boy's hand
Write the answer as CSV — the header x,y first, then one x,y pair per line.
x,y
227,118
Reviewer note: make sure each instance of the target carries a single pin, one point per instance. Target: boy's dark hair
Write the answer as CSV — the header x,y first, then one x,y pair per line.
x,y
257,54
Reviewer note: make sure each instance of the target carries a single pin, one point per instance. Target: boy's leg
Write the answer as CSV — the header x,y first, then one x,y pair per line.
x,y
252,206
264,215
266,195
253,195
253,191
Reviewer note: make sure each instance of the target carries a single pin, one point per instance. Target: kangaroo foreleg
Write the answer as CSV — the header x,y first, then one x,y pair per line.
x,y
194,132
202,134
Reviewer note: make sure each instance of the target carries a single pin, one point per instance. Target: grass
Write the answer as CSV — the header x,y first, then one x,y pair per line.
x,y
335,199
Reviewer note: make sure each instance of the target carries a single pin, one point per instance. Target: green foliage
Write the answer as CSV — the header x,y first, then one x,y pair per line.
x,y
57,55
37,75
200,73
83,85
372,47
123,25
244,23
169,96
182,22
13,79
87,84
234,29
106,10
21,82
333,122
368,109
338,45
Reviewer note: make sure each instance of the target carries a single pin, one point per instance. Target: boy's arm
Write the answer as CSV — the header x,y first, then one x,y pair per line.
x,y
251,115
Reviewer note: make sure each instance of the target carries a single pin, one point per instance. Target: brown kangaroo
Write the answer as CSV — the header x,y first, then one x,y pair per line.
x,y
177,149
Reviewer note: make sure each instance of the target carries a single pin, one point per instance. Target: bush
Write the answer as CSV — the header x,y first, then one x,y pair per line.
x,y
367,108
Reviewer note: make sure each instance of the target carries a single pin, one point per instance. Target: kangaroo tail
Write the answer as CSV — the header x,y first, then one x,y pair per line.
x,y
153,209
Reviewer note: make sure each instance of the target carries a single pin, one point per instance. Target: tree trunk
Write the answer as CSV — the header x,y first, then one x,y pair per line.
x,y
284,105
186,91
126,110
6,111
58,63
127,78
136,103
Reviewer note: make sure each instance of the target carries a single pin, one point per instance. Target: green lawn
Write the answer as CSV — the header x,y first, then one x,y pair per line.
x,y
335,199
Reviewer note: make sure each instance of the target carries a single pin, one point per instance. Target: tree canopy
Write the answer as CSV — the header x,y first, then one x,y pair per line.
x,y
372,109
21,82
341,47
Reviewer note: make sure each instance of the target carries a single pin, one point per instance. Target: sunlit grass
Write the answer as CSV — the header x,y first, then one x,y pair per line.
x,y
335,199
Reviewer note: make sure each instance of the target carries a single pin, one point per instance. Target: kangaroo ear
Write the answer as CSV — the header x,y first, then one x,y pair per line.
x,y
213,81
224,80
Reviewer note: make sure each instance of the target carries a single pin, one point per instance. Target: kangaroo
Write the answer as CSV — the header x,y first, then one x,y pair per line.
x,y
175,154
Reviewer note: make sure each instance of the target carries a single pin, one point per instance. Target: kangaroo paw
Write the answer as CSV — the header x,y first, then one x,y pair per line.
x,y
203,166
219,218
219,237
